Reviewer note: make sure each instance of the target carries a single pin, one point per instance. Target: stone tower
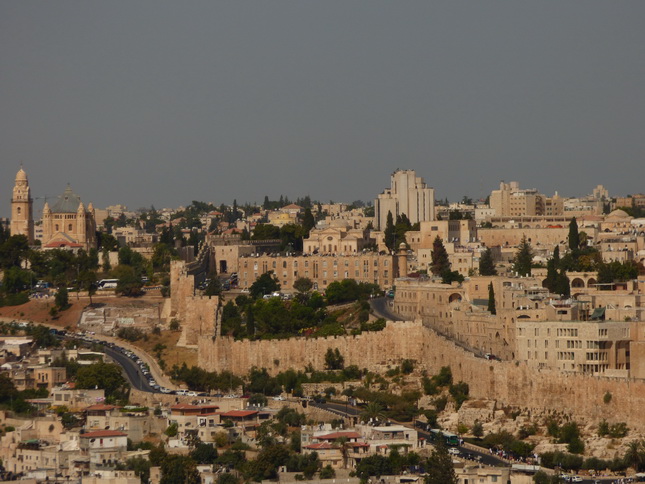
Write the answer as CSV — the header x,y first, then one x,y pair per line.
x,y
22,218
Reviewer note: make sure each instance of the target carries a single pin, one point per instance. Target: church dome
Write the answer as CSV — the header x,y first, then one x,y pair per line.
x,y
68,202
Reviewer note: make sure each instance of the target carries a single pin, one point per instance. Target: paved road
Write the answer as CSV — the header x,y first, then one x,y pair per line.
x,y
482,454
381,308
134,374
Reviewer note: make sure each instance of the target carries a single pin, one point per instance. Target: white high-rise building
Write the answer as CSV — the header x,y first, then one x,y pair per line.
x,y
409,195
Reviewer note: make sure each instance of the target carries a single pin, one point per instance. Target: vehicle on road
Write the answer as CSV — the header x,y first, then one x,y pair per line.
x,y
450,439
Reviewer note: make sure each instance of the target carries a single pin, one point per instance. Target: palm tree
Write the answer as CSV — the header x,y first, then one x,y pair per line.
x,y
342,443
634,454
372,411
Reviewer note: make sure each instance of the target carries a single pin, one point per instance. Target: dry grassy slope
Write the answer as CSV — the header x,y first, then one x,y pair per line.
x,y
38,312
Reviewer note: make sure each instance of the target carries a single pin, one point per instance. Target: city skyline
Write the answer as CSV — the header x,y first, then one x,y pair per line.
x,y
160,104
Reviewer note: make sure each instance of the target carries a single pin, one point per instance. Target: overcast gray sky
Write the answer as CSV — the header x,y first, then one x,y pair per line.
x,y
164,102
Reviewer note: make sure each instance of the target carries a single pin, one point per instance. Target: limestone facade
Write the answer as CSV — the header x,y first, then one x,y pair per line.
x,y
67,224
408,194
594,347
511,201
22,217
369,267
508,382
198,315
336,240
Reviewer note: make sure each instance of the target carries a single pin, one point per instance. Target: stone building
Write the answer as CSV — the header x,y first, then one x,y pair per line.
x,y
67,224
596,347
336,240
511,201
22,217
369,267
409,195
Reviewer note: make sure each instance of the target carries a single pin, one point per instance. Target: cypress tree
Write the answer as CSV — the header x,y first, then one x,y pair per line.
x,y
552,276
574,235
440,262
440,467
523,258
486,264
491,299
390,232
308,221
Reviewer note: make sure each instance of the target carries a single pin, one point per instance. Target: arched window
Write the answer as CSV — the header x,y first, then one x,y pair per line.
x,y
18,210
69,228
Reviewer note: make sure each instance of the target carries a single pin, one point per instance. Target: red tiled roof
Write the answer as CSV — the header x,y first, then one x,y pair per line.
x,y
61,243
240,413
103,433
358,444
100,406
321,445
187,406
338,435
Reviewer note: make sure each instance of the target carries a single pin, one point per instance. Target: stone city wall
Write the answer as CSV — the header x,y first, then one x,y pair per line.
x,y
371,350
507,382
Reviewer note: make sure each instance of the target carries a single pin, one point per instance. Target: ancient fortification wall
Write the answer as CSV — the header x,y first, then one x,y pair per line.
x,y
371,350
507,382
196,314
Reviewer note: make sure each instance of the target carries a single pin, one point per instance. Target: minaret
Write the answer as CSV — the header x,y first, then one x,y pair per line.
x,y
22,219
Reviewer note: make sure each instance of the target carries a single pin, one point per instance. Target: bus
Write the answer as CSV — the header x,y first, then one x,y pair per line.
x,y
449,438
107,284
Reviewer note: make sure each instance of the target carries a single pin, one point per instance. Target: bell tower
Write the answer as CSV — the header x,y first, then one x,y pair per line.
x,y
22,218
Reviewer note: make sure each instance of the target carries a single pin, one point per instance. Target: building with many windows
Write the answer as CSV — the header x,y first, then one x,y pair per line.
x,y
409,195
369,267
595,347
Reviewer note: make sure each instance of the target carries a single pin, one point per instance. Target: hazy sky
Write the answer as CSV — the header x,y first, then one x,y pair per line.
x,y
164,102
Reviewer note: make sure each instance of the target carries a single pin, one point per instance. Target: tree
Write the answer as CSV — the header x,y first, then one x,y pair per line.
x,y
308,221
14,251
491,299
179,469
103,375
523,258
267,283
373,411
562,286
635,455
214,286
440,262
16,280
303,285
478,429
440,467
62,299
390,233
542,477
129,283
87,282
204,453
448,277
487,264
552,275
334,360
574,236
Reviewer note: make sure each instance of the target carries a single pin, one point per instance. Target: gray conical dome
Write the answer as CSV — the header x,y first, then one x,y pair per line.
x,y
68,202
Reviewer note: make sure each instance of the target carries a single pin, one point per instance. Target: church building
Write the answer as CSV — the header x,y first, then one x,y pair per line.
x,y
68,224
